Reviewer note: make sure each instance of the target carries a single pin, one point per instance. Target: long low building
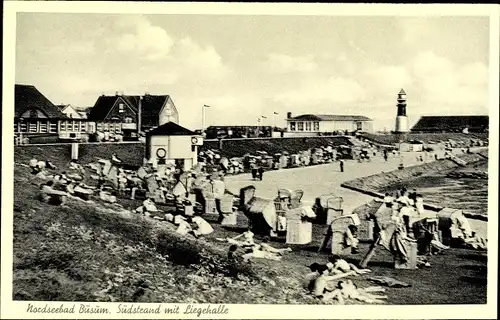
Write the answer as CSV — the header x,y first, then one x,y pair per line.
x,y
35,116
443,124
326,124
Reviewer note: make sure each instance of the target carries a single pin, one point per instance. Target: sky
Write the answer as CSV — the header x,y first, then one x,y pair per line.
x,y
245,67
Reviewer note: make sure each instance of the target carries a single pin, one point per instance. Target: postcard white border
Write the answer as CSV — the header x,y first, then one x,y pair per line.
x,y
11,309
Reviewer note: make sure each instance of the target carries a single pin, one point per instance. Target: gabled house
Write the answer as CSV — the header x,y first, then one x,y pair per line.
x,y
72,112
35,116
126,113
33,112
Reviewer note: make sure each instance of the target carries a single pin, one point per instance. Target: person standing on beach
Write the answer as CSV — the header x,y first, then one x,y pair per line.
x,y
341,165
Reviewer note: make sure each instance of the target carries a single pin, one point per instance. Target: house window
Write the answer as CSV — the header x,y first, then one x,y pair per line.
x,y
316,126
308,126
100,127
32,127
300,126
292,126
128,120
121,108
33,113
53,127
43,127
63,125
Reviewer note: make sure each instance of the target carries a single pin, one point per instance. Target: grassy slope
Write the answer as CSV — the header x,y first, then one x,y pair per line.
x,y
75,253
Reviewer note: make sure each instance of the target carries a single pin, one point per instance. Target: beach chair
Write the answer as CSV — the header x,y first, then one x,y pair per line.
x,y
334,209
298,229
336,235
295,200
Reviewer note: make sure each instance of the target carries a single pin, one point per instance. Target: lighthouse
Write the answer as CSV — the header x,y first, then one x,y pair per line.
x,y
401,118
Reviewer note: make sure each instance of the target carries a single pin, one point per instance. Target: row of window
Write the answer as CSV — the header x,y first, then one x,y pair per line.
x,y
112,127
80,126
299,126
36,127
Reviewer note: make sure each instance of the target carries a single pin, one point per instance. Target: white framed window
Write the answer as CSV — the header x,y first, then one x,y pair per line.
x,y
292,126
121,108
308,126
43,127
128,120
32,127
63,125
316,126
300,126
99,127
53,127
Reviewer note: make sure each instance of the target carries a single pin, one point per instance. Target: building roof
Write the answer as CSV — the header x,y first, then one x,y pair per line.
x,y
151,106
446,123
329,117
28,97
170,129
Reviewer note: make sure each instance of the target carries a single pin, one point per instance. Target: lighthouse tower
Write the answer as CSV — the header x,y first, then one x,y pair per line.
x,y
401,118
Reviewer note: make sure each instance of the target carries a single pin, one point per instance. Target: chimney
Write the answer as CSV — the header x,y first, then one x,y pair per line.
x,y
288,115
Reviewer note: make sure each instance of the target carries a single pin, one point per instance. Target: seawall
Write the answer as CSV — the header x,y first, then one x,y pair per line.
x,y
132,153
371,184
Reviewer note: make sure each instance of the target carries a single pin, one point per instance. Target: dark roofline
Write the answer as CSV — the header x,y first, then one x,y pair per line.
x,y
330,117
170,129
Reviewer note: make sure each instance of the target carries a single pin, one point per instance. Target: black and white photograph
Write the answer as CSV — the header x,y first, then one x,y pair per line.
x,y
168,163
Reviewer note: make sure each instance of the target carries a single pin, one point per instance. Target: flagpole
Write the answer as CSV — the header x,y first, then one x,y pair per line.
x,y
203,118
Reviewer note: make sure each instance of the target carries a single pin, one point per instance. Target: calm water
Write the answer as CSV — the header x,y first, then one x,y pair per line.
x,y
470,195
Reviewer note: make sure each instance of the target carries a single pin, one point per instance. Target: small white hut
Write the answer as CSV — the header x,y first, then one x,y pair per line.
x,y
171,143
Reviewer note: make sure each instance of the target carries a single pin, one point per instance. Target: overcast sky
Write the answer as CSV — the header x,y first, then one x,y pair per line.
x,y
249,66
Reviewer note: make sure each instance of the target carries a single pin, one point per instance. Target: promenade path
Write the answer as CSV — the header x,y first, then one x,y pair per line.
x,y
327,178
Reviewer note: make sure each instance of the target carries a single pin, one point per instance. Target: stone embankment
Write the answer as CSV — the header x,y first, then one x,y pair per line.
x,y
468,175
371,184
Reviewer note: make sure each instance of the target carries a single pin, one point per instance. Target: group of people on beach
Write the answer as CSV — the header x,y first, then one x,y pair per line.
x,y
324,282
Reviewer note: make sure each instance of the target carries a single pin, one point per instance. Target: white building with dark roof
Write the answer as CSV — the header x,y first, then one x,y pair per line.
x,y
326,124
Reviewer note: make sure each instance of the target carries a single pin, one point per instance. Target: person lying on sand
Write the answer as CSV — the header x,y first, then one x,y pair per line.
x,y
348,290
202,227
265,251
336,265
323,282
247,242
